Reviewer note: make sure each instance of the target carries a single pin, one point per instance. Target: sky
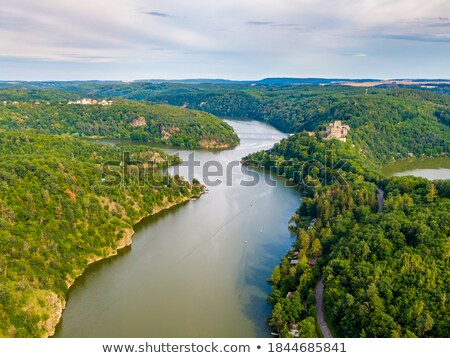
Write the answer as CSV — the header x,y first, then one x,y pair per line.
x,y
232,39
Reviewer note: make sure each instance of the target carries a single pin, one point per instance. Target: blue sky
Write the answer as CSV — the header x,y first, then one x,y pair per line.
x,y
235,39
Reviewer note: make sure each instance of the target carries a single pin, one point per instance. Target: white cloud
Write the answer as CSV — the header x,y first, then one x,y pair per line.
x,y
233,38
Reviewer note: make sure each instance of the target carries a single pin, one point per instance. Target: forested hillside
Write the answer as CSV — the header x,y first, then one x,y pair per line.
x,y
387,124
386,273
159,124
60,210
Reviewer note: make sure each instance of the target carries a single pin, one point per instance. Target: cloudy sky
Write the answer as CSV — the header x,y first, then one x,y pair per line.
x,y
236,39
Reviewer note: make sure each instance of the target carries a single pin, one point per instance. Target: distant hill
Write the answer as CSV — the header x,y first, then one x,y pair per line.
x,y
192,81
264,81
422,117
154,123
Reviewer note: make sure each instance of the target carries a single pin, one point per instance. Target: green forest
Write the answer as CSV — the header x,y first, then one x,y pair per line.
x,y
288,108
65,202
154,123
387,272
387,124
60,209
416,121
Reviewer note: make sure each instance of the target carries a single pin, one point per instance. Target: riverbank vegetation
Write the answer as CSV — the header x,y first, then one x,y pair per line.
x,y
386,274
61,209
397,122
154,123
387,124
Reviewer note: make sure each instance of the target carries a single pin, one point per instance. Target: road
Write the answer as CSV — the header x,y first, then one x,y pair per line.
x,y
320,286
380,197
321,310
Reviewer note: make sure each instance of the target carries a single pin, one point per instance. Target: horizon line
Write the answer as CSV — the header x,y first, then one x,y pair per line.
x,y
374,79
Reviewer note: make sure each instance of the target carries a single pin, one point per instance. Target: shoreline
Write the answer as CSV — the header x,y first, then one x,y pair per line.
x,y
202,145
125,241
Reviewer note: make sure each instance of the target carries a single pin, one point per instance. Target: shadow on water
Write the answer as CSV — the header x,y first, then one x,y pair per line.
x,y
430,168
273,254
102,265
83,280
257,276
149,220
198,269
258,307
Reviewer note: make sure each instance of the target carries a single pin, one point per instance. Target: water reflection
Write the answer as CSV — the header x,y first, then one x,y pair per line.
x,y
197,270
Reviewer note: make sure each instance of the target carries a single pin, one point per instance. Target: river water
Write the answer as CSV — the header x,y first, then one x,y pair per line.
x,y
196,270
430,168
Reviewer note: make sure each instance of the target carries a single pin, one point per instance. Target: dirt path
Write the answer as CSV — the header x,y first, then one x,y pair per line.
x,y
321,310
320,286
380,199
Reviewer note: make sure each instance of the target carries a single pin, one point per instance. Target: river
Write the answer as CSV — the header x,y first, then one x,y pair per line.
x,y
196,270
430,168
